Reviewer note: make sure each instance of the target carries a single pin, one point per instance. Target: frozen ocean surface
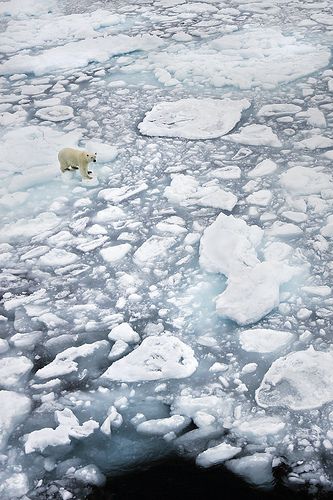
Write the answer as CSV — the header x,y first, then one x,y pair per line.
x,y
180,302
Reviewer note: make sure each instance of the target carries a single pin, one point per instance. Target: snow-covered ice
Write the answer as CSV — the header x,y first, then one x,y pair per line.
x,y
193,118
156,358
299,381
264,340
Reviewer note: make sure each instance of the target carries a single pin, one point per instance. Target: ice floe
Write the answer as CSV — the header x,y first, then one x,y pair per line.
x,y
193,118
263,340
186,190
256,135
155,358
299,381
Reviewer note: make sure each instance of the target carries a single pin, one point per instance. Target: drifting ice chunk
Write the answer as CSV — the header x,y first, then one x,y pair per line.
x,y
256,469
185,190
252,294
116,195
305,180
265,167
113,419
55,113
14,408
314,117
278,110
300,381
264,340
110,214
162,426
193,118
41,439
57,257
115,253
153,249
217,455
14,371
256,429
75,358
156,358
90,474
315,142
229,245
284,230
256,135
69,427
261,198
124,332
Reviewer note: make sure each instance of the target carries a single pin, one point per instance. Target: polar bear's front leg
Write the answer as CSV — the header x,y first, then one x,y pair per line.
x,y
84,171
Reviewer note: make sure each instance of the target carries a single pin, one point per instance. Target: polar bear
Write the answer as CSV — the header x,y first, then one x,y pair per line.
x,y
70,158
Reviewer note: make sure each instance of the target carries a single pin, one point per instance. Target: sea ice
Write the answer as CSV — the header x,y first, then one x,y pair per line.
x,y
265,167
14,408
299,381
256,135
160,427
115,253
264,340
55,113
193,118
14,371
256,468
217,454
278,109
154,359
78,54
153,249
255,292
124,332
305,180
185,190
229,245
75,359
275,59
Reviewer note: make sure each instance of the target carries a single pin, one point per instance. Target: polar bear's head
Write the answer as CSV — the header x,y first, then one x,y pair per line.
x,y
91,157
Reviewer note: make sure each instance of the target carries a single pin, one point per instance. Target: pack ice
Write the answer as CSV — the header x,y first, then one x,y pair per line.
x,y
180,302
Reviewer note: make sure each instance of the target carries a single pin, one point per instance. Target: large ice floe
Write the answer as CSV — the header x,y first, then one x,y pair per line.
x,y
180,301
193,118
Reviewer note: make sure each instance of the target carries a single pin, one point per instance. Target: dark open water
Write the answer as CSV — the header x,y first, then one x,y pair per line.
x,y
180,480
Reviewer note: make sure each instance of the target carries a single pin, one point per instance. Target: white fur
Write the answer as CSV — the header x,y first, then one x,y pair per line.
x,y
70,158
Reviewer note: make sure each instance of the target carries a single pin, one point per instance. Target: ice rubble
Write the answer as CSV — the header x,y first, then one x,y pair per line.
x,y
275,59
68,428
121,345
193,118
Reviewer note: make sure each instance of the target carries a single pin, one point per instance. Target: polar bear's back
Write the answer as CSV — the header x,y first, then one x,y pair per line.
x,y
70,155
